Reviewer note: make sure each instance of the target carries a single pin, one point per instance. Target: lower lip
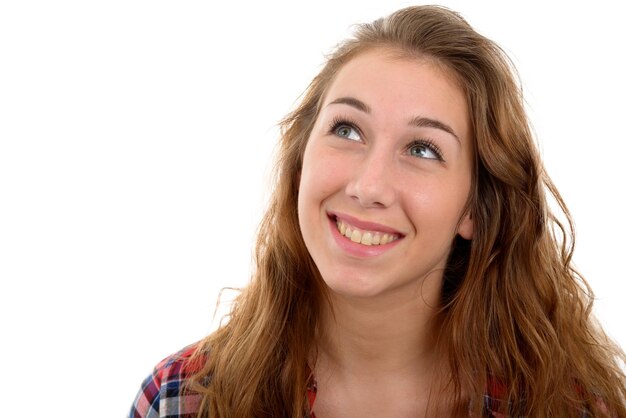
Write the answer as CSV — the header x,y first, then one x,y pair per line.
x,y
356,249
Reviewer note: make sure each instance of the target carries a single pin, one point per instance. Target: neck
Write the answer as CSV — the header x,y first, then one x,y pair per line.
x,y
385,336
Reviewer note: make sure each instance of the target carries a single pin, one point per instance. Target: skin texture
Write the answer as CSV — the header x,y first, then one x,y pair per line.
x,y
373,177
364,165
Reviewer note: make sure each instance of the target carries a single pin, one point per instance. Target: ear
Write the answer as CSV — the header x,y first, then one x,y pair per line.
x,y
466,227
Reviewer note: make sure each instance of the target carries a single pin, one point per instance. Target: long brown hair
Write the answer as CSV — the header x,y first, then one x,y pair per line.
x,y
514,310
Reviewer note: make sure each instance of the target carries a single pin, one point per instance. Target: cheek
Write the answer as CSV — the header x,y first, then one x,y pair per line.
x,y
436,203
312,186
322,176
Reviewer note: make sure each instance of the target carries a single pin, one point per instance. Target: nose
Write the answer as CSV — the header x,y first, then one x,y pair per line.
x,y
372,184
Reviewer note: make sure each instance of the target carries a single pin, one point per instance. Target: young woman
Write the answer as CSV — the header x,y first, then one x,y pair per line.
x,y
408,264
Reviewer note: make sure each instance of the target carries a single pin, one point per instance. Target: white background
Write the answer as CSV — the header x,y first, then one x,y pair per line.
x,y
135,147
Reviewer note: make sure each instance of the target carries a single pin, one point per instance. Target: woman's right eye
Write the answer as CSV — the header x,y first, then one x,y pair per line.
x,y
347,131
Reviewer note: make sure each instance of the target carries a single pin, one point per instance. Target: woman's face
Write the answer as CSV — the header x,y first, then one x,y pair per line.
x,y
386,175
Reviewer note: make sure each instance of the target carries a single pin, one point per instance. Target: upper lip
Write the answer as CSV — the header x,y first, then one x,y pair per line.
x,y
365,225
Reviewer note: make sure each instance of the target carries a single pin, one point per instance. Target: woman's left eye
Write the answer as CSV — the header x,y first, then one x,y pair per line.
x,y
424,149
346,131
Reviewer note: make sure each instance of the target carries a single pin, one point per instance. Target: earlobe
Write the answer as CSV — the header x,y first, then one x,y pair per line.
x,y
466,227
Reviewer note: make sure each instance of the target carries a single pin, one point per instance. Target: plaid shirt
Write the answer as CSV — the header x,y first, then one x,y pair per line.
x,y
160,395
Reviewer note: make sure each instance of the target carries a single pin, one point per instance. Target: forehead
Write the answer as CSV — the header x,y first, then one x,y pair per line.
x,y
398,85
397,67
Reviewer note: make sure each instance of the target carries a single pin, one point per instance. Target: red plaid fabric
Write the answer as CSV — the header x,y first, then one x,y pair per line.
x,y
161,394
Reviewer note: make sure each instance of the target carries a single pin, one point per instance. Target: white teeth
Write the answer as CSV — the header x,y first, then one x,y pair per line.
x,y
364,237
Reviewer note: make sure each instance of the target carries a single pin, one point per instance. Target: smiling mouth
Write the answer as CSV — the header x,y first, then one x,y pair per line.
x,y
364,237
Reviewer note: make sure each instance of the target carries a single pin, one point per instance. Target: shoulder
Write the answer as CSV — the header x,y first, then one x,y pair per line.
x,y
161,392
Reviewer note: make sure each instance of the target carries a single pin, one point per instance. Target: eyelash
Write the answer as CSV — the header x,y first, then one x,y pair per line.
x,y
343,121
428,144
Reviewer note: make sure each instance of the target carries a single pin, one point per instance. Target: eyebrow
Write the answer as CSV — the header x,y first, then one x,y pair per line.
x,y
418,121
351,101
